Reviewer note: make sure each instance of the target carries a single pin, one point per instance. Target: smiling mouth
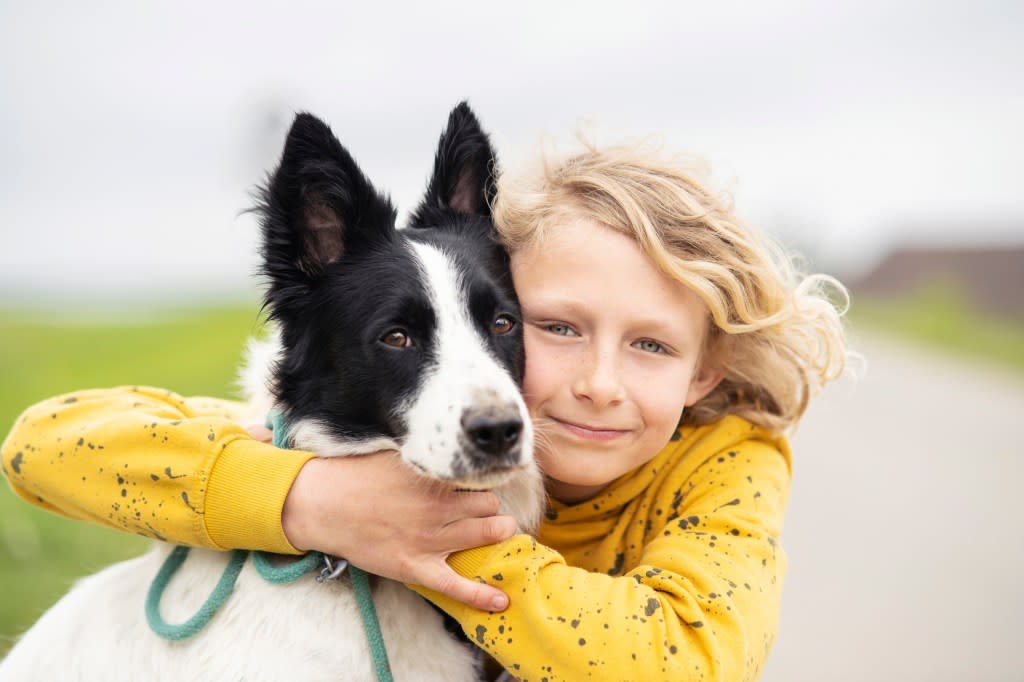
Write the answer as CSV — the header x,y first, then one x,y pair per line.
x,y
588,432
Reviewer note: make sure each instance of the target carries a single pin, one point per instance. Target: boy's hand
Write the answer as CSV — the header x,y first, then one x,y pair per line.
x,y
260,433
378,514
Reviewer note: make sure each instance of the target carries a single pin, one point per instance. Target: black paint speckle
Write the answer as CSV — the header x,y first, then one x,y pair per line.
x,y
677,499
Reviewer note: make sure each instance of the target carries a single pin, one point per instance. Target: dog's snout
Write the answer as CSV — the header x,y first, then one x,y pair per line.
x,y
493,432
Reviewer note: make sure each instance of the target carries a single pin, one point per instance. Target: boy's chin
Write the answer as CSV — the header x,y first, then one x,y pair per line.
x,y
576,474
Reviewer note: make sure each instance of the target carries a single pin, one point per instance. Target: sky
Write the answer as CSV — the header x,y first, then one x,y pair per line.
x,y
131,134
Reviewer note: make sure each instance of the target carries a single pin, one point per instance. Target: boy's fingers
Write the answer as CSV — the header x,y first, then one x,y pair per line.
x,y
478,595
469,533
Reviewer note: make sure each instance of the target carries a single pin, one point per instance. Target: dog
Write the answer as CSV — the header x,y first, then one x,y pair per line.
x,y
406,339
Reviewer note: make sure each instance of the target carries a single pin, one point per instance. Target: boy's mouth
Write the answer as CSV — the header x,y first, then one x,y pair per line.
x,y
590,431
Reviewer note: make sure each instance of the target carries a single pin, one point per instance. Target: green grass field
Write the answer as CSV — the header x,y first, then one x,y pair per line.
x,y
940,317
193,353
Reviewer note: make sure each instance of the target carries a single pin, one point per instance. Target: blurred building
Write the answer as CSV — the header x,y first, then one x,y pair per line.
x,y
990,277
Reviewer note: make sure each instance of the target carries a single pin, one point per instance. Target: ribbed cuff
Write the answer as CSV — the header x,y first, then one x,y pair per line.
x,y
467,563
245,495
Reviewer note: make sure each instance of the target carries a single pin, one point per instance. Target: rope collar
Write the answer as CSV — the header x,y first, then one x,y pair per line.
x,y
272,572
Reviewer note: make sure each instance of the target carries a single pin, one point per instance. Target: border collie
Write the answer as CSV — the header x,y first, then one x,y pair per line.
x,y
385,339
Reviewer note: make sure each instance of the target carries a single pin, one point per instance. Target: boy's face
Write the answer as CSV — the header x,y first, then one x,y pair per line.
x,y
612,350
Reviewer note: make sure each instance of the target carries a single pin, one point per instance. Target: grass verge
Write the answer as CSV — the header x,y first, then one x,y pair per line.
x,y
193,353
941,317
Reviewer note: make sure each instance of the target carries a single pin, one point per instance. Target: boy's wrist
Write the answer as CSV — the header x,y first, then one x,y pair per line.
x,y
295,517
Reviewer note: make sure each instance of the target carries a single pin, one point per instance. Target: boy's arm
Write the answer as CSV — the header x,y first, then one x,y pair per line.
x,y
151,462
702,603
183,470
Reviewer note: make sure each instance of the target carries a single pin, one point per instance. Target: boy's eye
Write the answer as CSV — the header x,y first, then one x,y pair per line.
x,y
559,329
649,346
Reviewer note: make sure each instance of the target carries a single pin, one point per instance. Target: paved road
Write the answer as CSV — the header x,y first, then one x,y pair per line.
x,y
905,530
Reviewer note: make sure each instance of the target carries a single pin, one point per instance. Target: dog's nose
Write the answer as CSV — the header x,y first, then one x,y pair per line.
x,y
492,432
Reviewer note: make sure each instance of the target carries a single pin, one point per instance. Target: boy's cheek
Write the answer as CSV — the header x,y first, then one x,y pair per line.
x,y
545,369
662,401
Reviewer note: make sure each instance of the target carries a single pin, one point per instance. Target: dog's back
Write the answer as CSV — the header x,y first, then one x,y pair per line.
x,y
303,631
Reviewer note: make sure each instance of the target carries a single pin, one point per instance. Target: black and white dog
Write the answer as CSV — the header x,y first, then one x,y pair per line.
x,y
385,339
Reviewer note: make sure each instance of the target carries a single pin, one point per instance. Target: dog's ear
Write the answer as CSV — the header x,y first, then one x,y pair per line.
x,y
464,171
316,206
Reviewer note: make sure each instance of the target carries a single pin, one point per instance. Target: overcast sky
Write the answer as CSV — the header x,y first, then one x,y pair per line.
x,y
131,133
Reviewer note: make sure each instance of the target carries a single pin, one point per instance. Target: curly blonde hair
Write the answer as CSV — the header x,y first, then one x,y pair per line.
x,y
776,335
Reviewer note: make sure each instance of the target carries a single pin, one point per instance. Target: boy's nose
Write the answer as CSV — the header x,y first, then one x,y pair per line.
x,y
599,378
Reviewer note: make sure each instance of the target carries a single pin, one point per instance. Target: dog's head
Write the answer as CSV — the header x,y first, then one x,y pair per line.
x,y
407,339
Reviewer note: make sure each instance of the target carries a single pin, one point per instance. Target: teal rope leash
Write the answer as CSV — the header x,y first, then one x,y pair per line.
x,y
280,575
371,625
213,603
287,573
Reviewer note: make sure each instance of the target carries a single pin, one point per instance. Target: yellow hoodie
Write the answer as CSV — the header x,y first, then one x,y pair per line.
x,y
674,572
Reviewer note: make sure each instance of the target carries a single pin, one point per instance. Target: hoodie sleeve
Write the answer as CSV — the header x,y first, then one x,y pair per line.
x,y
151,462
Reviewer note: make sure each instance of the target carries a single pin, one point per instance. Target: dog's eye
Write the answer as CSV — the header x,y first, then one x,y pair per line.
x,y
502,325
396,338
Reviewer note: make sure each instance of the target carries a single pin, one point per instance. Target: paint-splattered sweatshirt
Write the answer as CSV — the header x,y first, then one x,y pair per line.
x,y
674,572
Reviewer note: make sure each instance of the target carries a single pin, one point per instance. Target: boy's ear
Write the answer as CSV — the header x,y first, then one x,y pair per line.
x,y
464,168
702,383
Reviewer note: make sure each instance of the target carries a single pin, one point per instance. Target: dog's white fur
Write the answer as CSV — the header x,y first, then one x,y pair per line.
x,y
302,631
305,630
